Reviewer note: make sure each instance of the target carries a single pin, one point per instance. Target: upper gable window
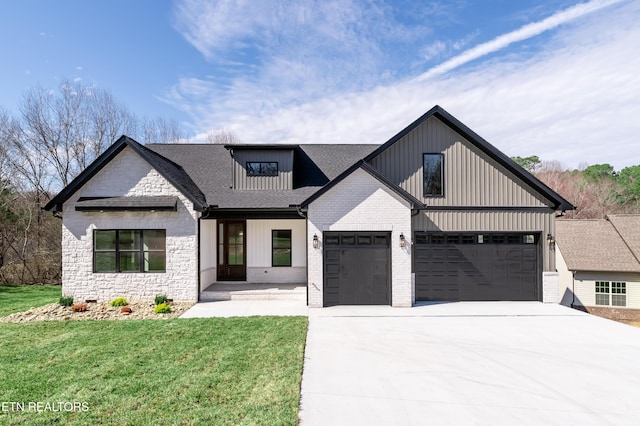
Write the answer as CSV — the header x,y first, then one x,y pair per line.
x,y
433,175
262,168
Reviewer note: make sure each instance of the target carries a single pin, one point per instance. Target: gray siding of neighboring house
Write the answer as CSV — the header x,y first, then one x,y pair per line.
x,y
470,177
284,179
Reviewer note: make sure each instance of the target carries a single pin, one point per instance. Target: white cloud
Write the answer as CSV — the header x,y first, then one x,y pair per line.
x,y
525,32
575,100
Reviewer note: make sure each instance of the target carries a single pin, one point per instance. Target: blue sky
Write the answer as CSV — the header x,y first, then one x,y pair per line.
x,y
559,79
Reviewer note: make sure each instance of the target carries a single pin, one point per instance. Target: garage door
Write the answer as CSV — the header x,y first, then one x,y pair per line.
x,y
464,266
357,268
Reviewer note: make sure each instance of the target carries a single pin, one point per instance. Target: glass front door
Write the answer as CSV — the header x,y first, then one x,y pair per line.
x,y
231,251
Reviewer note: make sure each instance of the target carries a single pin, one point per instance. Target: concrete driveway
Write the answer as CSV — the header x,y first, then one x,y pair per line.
x,y
469,363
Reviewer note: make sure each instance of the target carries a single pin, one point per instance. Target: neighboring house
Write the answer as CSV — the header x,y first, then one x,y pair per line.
x,y
599,265
435,213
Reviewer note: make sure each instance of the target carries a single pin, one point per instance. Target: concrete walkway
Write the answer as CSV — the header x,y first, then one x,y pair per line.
x,y
469,364
246,308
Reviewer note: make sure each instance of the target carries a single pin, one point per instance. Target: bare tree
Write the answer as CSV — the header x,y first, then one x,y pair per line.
x,y
159,130
223,137
71,127
55,136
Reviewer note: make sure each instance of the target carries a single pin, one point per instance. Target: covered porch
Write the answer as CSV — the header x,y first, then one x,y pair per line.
x,y
246,256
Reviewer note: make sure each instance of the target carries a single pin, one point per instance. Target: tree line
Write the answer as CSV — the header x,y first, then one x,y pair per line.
x,y
51,138
596,190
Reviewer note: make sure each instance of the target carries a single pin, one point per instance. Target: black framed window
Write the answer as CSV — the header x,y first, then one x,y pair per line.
x,y
129,250
262,168
433,175
281,247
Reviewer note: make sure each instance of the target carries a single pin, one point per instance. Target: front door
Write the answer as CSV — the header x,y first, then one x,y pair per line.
x,y
232,265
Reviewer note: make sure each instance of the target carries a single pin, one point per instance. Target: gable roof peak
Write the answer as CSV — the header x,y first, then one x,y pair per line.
x,y
449,120
168,169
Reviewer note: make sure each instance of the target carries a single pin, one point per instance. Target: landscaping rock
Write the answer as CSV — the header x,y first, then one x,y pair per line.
x,y
96,311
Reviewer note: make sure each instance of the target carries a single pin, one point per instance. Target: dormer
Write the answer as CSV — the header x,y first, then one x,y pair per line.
x,y
262,167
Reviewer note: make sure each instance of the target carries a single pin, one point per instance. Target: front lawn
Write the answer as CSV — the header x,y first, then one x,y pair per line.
x,y
19,298
146,372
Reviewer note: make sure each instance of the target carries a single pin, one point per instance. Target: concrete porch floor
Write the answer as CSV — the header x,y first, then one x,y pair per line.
x,y
254,291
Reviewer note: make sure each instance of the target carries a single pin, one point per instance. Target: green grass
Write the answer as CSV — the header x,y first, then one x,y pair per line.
x,y
217,371
19,298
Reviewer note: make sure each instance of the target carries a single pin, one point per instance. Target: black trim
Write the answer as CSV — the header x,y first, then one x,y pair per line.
x,y
558,201
261,174
274,248
140,251
285,213
488,208
415,203
258,147
424,189
119,204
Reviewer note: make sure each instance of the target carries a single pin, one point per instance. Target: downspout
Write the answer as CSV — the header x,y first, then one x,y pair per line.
x,y
573,288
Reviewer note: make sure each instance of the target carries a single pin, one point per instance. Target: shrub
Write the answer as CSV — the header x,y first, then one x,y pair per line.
x,y
66,300
162,308
125,310
119,301
79,307
161,298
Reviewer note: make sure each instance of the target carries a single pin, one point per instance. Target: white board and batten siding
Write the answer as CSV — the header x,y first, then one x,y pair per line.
x,y
259,250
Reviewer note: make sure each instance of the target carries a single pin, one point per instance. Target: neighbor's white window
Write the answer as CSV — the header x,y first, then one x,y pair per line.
x,y
611,294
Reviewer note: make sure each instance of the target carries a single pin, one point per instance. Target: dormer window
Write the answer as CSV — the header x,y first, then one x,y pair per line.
x,y
262,168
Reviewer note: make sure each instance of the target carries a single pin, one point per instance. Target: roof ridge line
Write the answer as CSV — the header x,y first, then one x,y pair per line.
x,y
624,240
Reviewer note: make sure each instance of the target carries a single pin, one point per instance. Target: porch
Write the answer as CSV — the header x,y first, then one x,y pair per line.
x,y
254,291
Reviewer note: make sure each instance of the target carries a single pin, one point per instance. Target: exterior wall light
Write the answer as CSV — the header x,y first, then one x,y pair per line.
x,y
550,240
403,242
315,241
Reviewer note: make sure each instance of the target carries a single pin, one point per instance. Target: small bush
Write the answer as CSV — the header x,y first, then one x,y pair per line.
x,y
66,301
119,301
161,298
125,310
162,308
79,307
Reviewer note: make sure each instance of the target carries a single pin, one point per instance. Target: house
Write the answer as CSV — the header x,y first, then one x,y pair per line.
x,y
599,265
435,213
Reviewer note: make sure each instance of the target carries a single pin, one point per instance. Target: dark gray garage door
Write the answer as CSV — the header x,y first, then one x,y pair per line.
x,y
463,266
357,268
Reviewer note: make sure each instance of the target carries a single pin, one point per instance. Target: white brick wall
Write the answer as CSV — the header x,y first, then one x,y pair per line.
x,y
361,203
129,174
550,287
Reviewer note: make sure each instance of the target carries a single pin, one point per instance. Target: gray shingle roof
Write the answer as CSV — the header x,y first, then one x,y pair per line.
x,y
209,166
598,244
171,171
628,226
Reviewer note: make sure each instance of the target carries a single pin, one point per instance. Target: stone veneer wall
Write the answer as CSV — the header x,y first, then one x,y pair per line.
x,y
129,174
361,203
